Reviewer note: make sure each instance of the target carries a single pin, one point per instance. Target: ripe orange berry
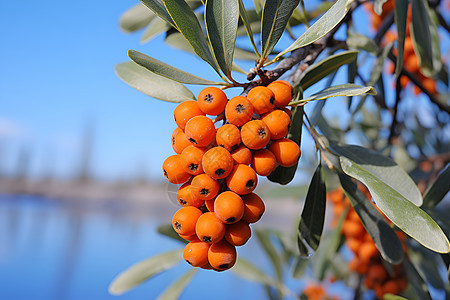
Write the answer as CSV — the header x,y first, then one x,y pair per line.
x,y
196,253
377,273
190,238
262,99
185,111
353,229
185,219
353,244
255,134
253,208
283,91
209,228
242,179
210,204
278,123
367,251
191,160
217,162
228,136
263,162
200,131
179,140
204,187
186,197
173,170
242,155
212,100
238,234
239,110
286,151
222,255
229,207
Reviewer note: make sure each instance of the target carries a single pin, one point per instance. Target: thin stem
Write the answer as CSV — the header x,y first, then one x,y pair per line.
x,y
305,18
393,131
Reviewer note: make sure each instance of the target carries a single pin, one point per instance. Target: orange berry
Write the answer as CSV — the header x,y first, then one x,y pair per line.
x,y
408,47
353,244
390,287
239,110
229,207
242,155
238,234
222,255
429,84
353,229
191,160
191,237
412,63
212,100
173,170
253,208
377,273
286,151
185,219
196,253
179,140
242,179
255,134
228,136
200,131
204,187
186,197
262,99
209,228
367,251
263,162
283,91
217,162
186,111
278,123
210,204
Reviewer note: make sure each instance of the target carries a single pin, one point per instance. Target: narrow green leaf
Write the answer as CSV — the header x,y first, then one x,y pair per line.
x,y
135,18
176,40
144,270
163,69
428,264
401,12
158,8
299,268
263,237
243,54
438,189
247,24
346,90
417,282
313,215
379,230
235,67
156,27
407,216
326,23
168,231
174,291
275,16
151,84
325,67
362,42
435,42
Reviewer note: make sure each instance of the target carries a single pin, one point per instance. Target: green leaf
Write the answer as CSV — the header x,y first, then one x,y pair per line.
x,y
158,8
403,213
362,42
435,42
275,16
135,18
324,25
168,231
438,189
143,271
263,237
163,69
243,54
313,215
221,18
247,24
300,266
325,67
156,27
401,12
393,297
428,264
379,230
416,281
174,291
176,40
346,90
151,84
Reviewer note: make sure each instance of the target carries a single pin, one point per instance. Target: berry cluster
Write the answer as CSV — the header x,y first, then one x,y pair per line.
x,y
218,167
367,260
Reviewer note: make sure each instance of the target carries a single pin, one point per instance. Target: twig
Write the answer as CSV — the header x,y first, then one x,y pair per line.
x,y
393,132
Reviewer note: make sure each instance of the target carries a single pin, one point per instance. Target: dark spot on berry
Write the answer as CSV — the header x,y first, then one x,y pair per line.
x,y
223,266
219,172
272,100
182,202
204,192
259,217
188,262
193,141
165,174
262,132
250,184
173,140
231,220
240,108
193,167
207,239
209,98
177,226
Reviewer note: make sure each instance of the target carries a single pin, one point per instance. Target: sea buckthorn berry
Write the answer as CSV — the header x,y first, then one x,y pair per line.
x,y
229,207
353,229
253,208
200,131
222,255
212,100
204,187
228,136
179,140
286,151
353,244
210,204
263,162
278,123
185,111
242,155
190,238
242,179
185,219
217,162
255,134
262,99
209,228
196,253
377,273
186,197
173,170
238,234
239,110
367,251
191,159
283,91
